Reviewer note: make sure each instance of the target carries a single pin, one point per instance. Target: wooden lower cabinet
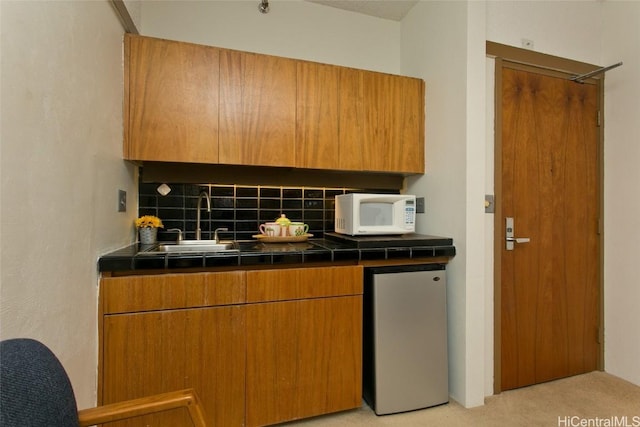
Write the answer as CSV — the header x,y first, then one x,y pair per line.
x,y
304,343
303,358
161,351
259,347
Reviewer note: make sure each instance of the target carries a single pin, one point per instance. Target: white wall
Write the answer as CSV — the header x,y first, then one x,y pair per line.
x,y
621,42
440,41
134,7
61,167
571,29
489,228
293,29
475,219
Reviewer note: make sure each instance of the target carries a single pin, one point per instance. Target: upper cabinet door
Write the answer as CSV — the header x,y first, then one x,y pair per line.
x,y
394,123
171,101
317,143
257,109
413,124
352,120
381,122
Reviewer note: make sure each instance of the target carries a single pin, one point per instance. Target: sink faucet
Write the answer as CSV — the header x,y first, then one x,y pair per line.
x,y
206,197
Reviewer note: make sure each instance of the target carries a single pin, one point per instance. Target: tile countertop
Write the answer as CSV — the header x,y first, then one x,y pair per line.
x,y
332,248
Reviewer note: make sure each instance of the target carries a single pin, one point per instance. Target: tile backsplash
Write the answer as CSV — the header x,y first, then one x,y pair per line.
x,y
241,209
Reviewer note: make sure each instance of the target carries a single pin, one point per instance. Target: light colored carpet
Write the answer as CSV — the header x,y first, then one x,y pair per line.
x,y
582,400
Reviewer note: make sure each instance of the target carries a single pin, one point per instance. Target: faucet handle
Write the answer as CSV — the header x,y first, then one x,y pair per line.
x,y
179,238
215,233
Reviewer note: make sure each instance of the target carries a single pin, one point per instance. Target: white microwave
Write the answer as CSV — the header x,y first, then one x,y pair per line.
x,y
373,214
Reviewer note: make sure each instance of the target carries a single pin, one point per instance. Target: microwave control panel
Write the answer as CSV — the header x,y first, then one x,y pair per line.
x,y
409,213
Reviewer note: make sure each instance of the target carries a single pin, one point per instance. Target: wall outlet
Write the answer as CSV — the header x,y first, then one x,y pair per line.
x,y
419,204
122,201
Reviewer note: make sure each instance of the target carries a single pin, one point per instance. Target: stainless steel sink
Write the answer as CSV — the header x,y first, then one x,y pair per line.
x,y
194,246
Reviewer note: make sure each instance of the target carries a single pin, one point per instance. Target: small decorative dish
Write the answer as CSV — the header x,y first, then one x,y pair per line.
x,y
282,239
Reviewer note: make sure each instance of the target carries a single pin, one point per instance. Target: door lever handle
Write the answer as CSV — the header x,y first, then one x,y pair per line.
x,y
509,228
518,239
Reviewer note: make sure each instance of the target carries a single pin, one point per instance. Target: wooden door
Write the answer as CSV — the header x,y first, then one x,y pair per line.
x,y
171,101
549,292
317,143
161,351
257,109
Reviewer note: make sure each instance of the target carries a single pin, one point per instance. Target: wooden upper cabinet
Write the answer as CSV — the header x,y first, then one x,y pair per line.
x,y
317,140
199,104
393,126
171,101
381,122
350,119
257,109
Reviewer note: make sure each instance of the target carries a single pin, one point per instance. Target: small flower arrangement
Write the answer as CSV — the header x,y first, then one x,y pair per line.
x,y
149,221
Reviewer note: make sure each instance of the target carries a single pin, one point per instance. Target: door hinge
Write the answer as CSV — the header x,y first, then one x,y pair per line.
x,y
598,119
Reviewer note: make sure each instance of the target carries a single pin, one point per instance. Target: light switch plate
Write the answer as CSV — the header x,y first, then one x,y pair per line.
x,y
122,201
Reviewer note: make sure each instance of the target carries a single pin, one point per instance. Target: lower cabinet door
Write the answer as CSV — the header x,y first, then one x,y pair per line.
x,y
161,351
304,358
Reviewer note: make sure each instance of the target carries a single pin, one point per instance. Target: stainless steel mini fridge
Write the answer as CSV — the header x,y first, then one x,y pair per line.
x,y
405,364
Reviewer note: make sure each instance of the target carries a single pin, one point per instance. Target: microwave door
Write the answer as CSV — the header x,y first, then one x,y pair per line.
x,y
376,214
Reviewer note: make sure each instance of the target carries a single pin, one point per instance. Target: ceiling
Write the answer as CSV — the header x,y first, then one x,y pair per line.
x,y
387,9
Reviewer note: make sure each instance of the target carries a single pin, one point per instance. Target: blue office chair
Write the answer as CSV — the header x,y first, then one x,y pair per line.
x,y
35,391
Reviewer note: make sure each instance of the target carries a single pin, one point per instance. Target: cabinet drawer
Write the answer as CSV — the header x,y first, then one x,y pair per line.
x,y
301,283
172,291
